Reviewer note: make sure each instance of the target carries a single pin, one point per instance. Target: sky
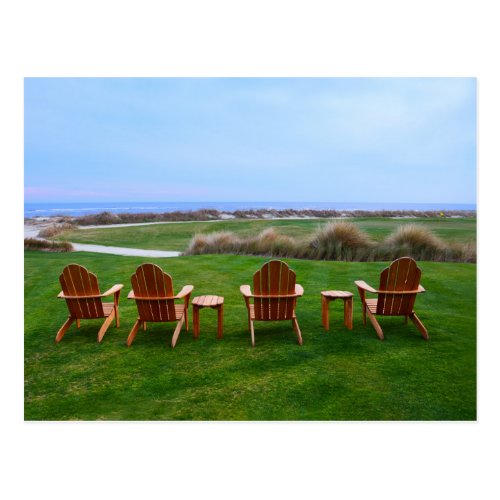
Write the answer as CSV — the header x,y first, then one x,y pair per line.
x,y
250,139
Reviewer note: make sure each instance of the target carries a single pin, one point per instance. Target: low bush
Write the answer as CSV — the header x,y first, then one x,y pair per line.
x,y
55,229
340,241
47,246
218,242
270,243
414,241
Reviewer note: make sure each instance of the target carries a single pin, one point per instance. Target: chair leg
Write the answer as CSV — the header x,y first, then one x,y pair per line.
x,y
220,319
63,329
297,330
177,331
419,325
363,305
105,326
187,318
133,332
78,323
375,324
324,313
196,322
252,333
117,317
143,326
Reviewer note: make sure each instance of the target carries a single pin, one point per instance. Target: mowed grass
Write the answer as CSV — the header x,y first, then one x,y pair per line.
x,y
339,375
177,236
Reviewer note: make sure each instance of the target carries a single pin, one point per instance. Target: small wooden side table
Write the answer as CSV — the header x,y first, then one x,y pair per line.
x,y
330,295
212,301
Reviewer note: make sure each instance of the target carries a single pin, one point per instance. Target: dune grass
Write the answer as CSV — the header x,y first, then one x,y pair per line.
x,y
339,375
178,235
47,245
339,240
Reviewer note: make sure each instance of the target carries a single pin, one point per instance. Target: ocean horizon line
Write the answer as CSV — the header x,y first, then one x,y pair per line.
x,y
45,209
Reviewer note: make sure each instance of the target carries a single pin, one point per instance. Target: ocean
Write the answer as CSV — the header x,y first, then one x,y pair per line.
x,y
75,209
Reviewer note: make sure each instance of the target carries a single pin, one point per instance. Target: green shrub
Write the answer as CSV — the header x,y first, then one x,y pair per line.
x,y
47,246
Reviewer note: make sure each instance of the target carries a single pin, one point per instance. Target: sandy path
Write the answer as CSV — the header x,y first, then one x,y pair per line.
x,y
132,252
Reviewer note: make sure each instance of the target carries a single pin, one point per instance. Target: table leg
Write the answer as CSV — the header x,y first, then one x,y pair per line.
x,y
348,312
324,312
196,322
220,317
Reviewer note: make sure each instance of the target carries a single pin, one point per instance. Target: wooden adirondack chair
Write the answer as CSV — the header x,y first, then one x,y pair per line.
x,y
274,298
399,285
153,291
80,289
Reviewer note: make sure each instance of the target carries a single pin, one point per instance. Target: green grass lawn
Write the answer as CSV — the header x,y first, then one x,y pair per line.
x,y
177,236
339,375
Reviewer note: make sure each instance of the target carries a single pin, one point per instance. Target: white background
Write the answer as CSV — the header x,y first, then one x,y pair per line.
x,y
247,460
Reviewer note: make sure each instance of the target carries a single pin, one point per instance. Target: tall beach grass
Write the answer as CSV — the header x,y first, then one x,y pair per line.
x,y
47,246
340,241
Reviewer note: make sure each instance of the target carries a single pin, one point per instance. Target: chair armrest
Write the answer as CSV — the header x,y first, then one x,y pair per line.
x,y
131,295
421,289
186,290
112,290
246,291
299,290
365,286
62,296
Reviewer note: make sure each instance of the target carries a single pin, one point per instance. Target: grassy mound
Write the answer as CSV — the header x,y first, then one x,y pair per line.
x,y
47,246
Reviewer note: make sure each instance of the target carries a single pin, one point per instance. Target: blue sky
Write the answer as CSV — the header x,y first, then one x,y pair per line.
x,y
250,139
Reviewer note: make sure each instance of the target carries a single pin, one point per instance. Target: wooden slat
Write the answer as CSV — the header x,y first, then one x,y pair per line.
x,y
290,302
390,285
372,305
413,280
95,304
257,291
283,290
406,269
107,308
69,289
264,290
275,267
147,274
252,314
161,288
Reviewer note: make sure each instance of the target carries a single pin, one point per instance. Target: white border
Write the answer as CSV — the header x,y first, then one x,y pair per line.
x,y
224,38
